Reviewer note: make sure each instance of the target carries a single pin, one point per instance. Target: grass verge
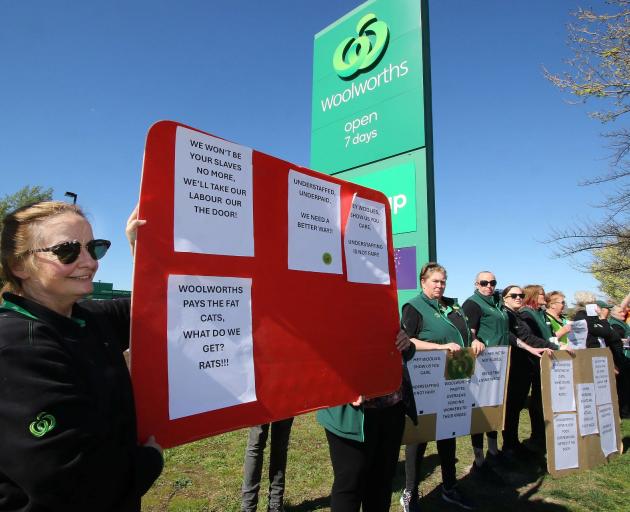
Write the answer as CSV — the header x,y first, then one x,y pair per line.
x,y
206,477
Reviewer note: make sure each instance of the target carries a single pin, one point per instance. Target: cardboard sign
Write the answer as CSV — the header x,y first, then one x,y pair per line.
x,y
451,406
581,411
248,306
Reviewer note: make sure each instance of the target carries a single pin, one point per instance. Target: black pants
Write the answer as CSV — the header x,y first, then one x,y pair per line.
x,y
414,453
364,471
477,439
536,416
519,383
622,364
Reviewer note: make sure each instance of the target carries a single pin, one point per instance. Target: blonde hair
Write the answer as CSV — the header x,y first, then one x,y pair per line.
x,y
18,236
551,295
428,269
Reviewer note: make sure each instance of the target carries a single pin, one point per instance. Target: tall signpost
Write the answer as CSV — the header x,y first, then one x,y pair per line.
x,y
371,119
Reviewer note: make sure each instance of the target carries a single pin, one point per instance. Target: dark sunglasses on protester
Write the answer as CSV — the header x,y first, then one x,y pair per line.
x,y
486,283
516,295
68,252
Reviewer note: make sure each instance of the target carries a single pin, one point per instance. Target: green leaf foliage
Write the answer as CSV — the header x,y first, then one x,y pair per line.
x,y
22,197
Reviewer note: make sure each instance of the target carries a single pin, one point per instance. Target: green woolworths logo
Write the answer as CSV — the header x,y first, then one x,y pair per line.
x,y
361,54
43,424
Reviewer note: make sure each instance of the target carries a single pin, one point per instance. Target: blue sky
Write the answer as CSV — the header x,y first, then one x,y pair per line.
x,y
81,82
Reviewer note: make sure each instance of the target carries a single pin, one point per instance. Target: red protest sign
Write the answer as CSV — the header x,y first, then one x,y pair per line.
x,y
262,289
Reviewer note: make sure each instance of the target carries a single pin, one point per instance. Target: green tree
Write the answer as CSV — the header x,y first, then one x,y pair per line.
x,y
24,196
611,267
599,72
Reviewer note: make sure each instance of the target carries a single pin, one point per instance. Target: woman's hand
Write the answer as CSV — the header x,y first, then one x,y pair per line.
x,y
477,347
402,341
538,352
451,347
132,228
358,401
152,443
568,348
563,330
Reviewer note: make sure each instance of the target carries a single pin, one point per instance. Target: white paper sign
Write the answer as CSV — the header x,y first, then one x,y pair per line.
x,y
213,195
210,350
591,310
426,370
561,378
565,441
577,335
314,224
602,382
454,418
488,381
587,413
366,243
607,434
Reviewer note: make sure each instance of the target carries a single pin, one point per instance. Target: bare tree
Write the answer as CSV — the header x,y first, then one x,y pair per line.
x,y
599,72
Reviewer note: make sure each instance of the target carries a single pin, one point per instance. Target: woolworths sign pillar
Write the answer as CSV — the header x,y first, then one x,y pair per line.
x,y
371,118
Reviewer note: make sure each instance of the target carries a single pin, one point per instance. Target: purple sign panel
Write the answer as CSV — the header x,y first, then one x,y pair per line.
x,y
406,270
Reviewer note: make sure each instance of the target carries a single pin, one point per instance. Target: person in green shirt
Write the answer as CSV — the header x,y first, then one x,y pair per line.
x,y
364,442
490,325
533,314
435,322
560,325
617,321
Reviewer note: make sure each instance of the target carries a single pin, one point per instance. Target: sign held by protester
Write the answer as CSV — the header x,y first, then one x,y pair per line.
x,y
457,394
581,410
246,290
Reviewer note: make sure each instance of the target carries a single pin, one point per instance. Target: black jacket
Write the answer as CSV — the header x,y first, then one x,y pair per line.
x,y
520,329
598,328
67,416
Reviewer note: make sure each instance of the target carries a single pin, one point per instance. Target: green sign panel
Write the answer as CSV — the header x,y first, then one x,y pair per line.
x,y
368,100
398,183
371,119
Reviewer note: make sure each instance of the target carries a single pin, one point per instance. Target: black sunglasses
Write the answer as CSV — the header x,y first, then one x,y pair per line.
x,y
68,252
516,295
486,283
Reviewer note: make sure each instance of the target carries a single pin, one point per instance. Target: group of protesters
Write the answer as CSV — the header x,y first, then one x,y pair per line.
x,y
364,436
67,413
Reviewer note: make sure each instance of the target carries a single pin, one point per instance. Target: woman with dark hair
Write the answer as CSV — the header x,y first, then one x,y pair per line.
x,y
524,373
67,413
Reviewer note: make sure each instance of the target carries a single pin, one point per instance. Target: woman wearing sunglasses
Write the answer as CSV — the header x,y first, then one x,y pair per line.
x,y
67,412
559,324
524,373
